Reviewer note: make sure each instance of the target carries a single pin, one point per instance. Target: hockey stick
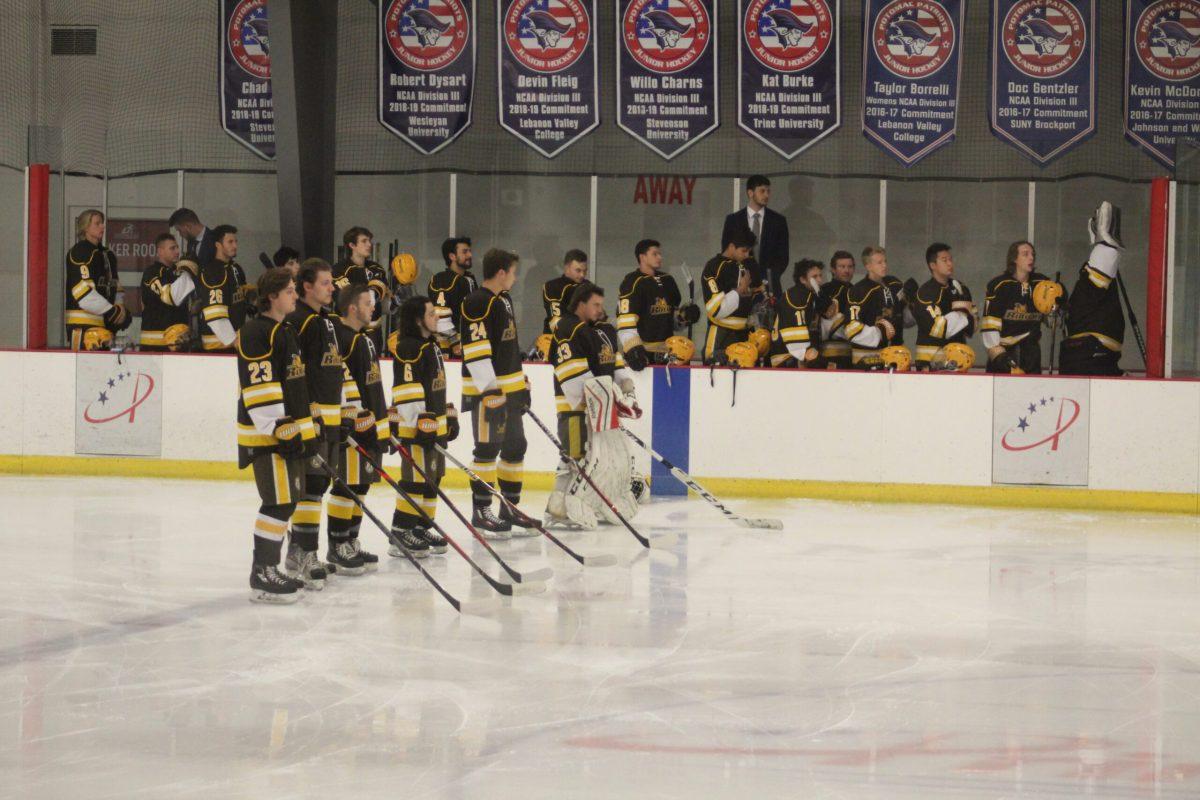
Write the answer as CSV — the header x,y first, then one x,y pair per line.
x,y
770,524
1133,323
687,276
266,261
606,560
1054,326
530,584
451,599
659,542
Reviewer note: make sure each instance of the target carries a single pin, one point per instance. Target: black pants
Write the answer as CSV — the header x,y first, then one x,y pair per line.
x,y
499,436
1025,354
1086,356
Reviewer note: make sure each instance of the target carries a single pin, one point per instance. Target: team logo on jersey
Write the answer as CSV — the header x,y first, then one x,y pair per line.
x,y
1167,39
665,35
1044,38
788,35
427,35
547,35
913,39
247,38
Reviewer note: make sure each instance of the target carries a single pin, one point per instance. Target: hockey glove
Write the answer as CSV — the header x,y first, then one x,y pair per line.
x,y
360,424
627,404
426,430
686,314
318,420
451,422
117,318
287,433
636,358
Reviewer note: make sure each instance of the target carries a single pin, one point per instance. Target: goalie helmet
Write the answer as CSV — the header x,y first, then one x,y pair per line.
x,y
741,354
680,349
176,336
960,355
97,339
1045,296
896,357
543,346
404,269
761,339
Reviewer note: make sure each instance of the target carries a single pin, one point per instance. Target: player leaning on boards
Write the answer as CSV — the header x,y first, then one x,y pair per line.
x,y
649,311
728,295
496,394
587,364
93,314
275,429
875,314
359,269
944,313
421,419
1095,323
1018,301
166,290
449,288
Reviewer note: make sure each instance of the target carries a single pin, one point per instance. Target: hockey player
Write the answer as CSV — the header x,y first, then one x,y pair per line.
x,y
496,394
942,308
359,269
323,370
646,310
834,304
421,419
274,428
287,257
556,290
449,288
875,311
728,295
166,292
1095,322
242,304
795,338
365,417
93,313
217,293
1011,328
587,364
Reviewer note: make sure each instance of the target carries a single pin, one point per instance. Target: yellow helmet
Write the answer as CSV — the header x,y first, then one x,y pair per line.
x,y
680,349
543,346
392,340
960,355
176,336
97,339
741,354
761,339
1045,295
404,268
896,357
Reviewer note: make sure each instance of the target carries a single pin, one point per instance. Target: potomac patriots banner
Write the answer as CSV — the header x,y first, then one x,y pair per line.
x,y
912,67
247,112
426,70
547,71
1162,74
667,72
789,60
1043,75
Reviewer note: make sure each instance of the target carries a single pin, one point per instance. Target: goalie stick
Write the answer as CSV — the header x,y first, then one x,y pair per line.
x,y
751,522
605,560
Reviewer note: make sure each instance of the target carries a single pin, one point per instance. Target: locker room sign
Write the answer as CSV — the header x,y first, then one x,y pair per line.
x,y
426,70
547,71
1162,75
1043,99
667,72
247,107
1040,431
789,60
118,404
912,68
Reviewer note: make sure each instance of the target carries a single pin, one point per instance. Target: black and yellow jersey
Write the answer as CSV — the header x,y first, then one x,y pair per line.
x,y
159,310
362,382
322,363
369,274
488,329
868,302
90,268
579,349
646,310
239,308
795,323
273,385
1094,309
555,294
447,290
1008,309
216,287
930,306
720,278
835,294
418,383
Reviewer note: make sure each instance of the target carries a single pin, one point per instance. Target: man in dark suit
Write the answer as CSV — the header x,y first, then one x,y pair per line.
x,y
199,243
769,228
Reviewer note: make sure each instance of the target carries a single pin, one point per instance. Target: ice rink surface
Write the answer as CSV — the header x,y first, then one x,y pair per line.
x,y
864,652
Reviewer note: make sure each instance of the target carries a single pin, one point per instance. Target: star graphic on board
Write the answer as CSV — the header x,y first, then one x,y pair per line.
x,y
1022,424
1043,401
1051,399
103,398
111,383
1032,408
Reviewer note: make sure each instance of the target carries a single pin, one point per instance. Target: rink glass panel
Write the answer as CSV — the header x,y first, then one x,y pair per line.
x,y
1185,333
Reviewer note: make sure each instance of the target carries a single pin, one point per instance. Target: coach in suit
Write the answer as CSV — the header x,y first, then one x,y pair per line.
x,y
769,228
199,243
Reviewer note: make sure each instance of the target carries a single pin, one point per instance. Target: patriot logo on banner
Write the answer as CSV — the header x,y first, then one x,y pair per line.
x,y
547,71
1162,75
667,72
247,107
912,68
1043,75
789,60
426,70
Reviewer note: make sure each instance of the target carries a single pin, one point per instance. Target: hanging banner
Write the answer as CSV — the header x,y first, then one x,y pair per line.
x,y
1162,75
789,59
912,67
547,71
667,72
1043,75
426,70
247,110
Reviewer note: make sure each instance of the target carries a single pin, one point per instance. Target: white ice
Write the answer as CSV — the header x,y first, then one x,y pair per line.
x,y
863,652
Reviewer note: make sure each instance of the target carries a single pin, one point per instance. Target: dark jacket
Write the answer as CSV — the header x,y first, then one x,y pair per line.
x,y
771,252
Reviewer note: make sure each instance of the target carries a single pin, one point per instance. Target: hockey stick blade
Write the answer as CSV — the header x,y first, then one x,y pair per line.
x,y
767,524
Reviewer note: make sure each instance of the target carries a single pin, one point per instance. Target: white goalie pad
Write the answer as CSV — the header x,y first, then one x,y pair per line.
x,y
607,461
